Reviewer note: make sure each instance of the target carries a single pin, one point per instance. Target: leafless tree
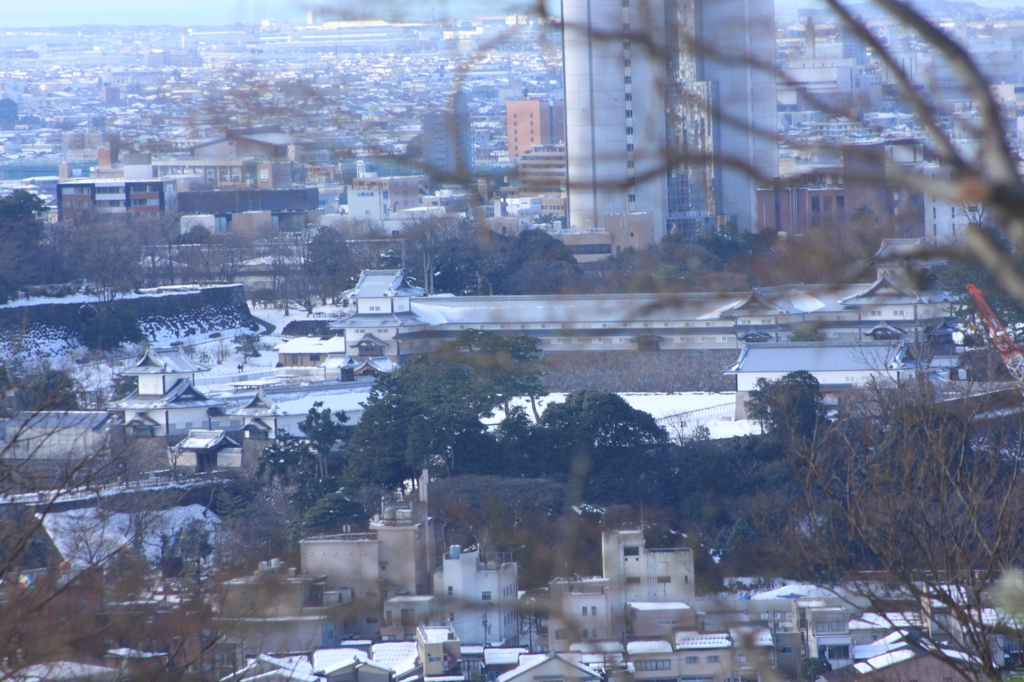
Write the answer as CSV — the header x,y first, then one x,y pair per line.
x,y
911,504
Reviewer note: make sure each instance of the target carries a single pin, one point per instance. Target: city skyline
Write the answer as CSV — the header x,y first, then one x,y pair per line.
x,y
53,13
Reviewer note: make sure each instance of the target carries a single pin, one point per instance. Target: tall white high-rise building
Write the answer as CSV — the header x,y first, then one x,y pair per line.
x,y
664,103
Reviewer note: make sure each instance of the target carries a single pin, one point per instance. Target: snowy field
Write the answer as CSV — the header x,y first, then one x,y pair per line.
x,y
92,536
678,413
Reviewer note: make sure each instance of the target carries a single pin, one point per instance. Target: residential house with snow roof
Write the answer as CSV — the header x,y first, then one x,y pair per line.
x,y
736,654
552,667
401,657
266,668
904,656
166,402
348,665
309,351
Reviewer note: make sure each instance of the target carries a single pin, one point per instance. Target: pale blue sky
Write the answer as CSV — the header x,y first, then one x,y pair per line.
x,y
191,12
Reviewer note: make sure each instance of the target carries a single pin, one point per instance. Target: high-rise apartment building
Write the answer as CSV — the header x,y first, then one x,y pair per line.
x,y
448,142
667,112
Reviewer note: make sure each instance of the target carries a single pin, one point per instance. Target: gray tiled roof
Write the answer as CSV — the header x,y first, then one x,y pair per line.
x,y
383,283
165,361
819,357
58,419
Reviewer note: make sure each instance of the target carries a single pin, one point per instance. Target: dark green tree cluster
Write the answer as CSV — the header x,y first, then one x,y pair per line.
x,y
106,329
721,259
792,405
308,466
23,239
462,258
428,413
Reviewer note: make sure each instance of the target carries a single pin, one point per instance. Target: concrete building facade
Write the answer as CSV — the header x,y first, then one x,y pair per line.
x,y
479,594
668,131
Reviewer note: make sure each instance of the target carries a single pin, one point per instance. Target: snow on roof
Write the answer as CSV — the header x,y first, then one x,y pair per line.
x,y
322,658
260,405
796,591
67,670
891,642
280,669
383,284
336,402
648,647
884,661
689,639
602,662
125,652
165,361
561,309
58,419
472,649
746,637
874,621
434,635
205,439
659,605
528,660
276,139
539,660
381,364
503,656
313,344
399,656
819,357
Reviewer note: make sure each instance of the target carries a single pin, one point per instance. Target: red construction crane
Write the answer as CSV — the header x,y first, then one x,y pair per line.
x,y
1011,353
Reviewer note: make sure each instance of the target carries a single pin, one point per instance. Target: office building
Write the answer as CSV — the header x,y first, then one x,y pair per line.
x,y
531,122
655,125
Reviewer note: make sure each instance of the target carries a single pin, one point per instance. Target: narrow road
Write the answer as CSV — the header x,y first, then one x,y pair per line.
x,y
266,325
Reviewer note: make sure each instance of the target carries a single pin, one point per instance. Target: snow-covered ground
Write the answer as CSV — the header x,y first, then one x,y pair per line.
x,y
679,413
92,536
80,298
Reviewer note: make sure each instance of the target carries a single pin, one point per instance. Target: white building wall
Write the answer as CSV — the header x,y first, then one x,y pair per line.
x,y
463,585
